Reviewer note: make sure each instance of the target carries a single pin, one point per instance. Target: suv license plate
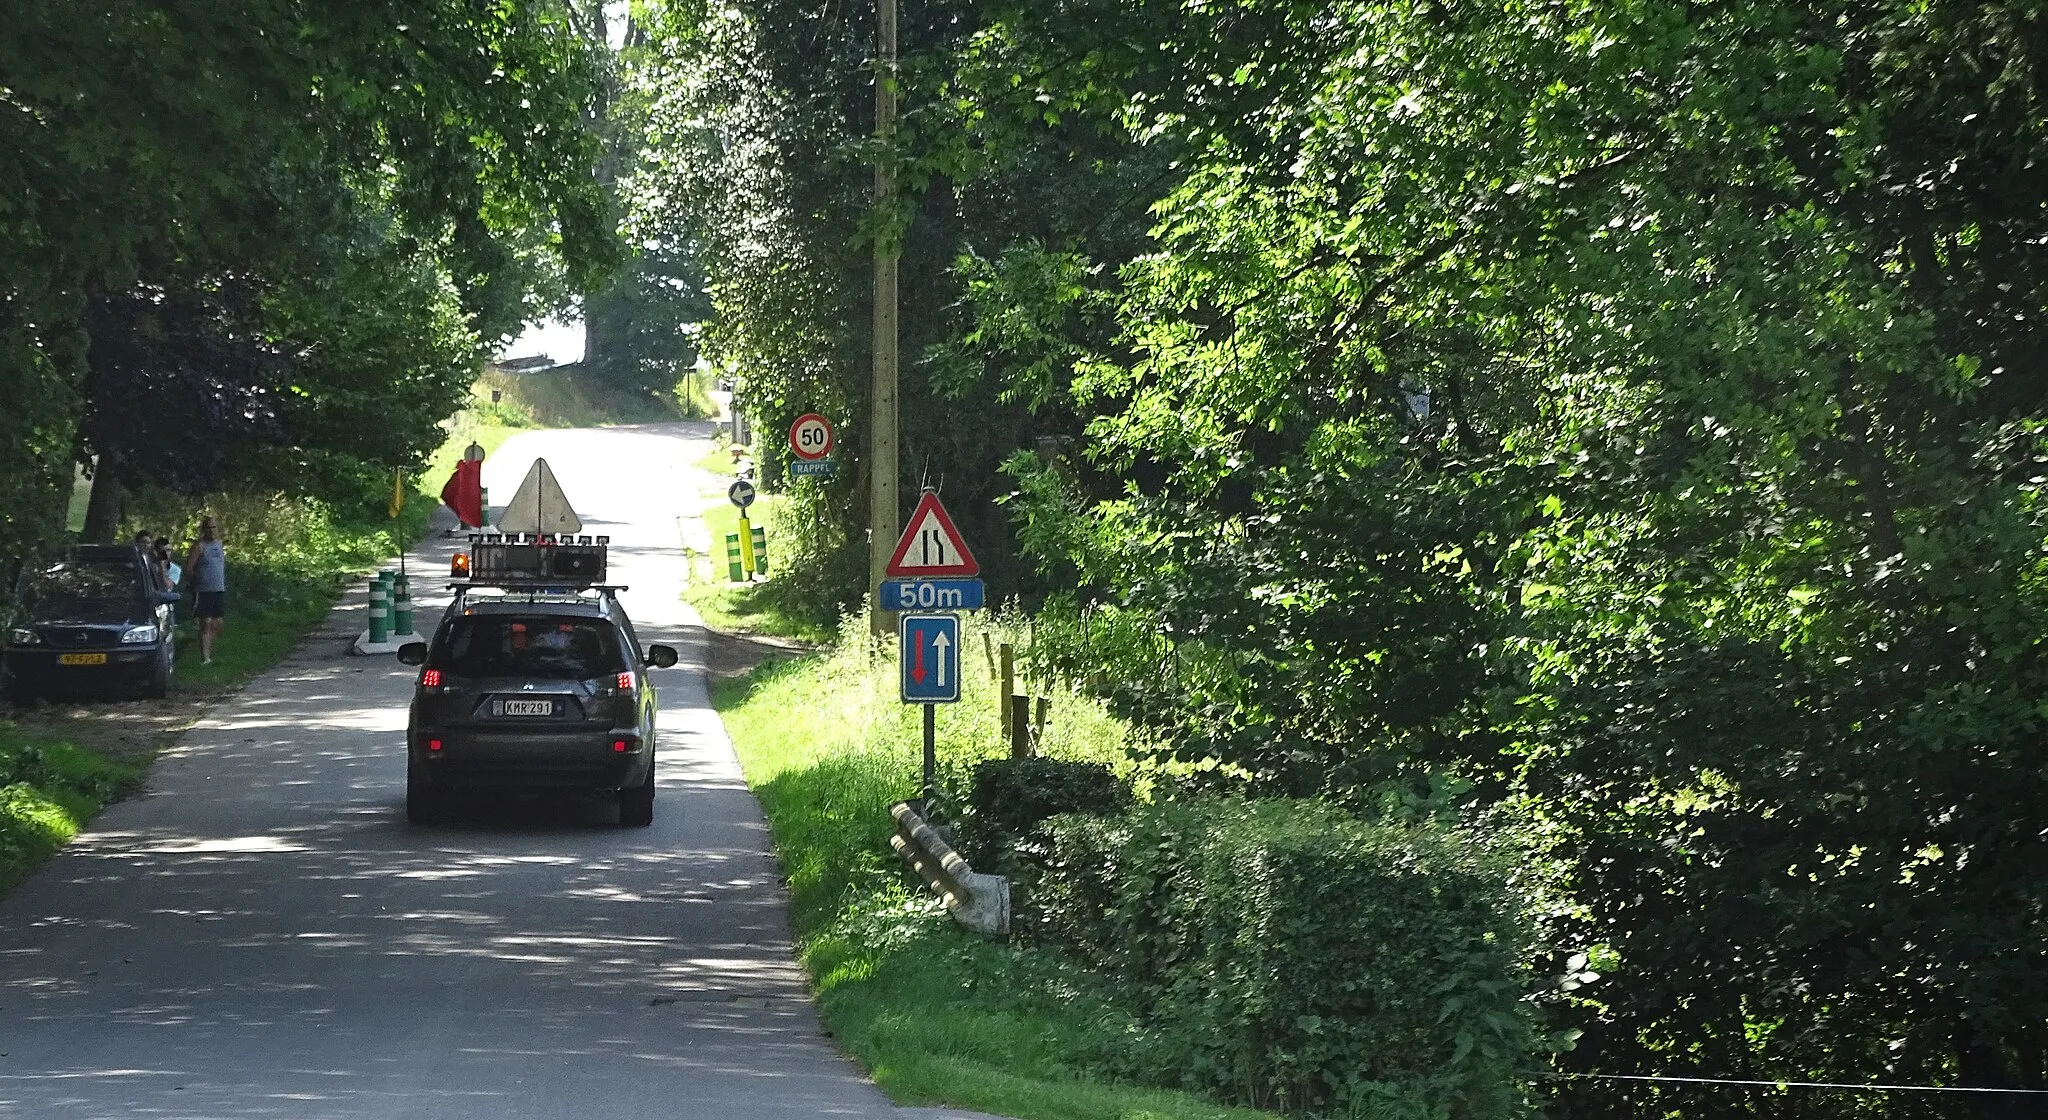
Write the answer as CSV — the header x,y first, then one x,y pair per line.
x,y
526,707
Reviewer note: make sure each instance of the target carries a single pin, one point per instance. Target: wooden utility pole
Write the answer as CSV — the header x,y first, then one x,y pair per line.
x,y
882,491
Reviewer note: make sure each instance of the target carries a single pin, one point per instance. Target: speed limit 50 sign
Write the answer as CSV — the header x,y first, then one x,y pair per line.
x,y
811,436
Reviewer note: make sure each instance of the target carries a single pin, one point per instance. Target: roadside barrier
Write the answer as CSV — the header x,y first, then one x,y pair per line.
x,y
979,902
380,610
401,605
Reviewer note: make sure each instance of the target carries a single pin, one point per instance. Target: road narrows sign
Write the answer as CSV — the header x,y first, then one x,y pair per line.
x,y
931,545
811,436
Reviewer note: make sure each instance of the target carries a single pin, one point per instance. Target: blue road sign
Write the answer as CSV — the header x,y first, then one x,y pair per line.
x,y
933,595
801,468
931,658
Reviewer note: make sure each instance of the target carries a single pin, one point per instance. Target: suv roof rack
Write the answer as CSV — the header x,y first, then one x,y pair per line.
x,y
534,561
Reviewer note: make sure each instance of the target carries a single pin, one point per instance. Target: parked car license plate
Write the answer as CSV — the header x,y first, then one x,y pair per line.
x,y
525,707
81,659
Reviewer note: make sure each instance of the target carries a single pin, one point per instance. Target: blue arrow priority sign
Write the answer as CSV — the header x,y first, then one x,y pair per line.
x,y
930,658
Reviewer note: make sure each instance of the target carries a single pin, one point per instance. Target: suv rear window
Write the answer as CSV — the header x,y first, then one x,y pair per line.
x,y
573,649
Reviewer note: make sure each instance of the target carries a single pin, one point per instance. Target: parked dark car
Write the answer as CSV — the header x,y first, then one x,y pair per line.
x,y
89,623
533,691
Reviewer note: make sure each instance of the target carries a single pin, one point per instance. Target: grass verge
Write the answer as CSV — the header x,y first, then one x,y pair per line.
x,y
48,790
745,608
570,397
289,561
933,1013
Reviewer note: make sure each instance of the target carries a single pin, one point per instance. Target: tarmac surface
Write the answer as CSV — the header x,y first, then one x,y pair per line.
x,y
263,935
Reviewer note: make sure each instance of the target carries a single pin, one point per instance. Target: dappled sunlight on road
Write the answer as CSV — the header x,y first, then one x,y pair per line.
x,y
262,934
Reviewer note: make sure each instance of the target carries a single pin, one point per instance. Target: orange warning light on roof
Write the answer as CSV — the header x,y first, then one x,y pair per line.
x,y
459,566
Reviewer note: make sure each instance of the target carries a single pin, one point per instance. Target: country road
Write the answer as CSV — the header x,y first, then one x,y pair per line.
x,y
262,934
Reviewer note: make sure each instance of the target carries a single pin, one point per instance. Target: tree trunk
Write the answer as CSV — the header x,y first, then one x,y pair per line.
x,y
103,510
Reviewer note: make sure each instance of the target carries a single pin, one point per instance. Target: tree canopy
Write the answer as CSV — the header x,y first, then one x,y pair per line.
x,y
289,213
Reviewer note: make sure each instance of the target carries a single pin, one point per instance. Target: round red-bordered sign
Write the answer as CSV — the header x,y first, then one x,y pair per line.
x,y
811,436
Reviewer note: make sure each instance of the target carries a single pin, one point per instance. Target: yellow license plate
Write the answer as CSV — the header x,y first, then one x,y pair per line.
x,y
81,659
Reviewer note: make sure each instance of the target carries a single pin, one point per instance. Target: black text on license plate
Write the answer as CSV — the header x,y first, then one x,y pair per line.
x,y
524,708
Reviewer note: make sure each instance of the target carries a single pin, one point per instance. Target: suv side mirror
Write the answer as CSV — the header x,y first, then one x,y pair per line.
x,y
661,657
413,653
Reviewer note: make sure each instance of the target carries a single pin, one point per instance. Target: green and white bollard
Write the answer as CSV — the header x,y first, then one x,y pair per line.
x,y
760,550
483,503
401,605
735,569
380,611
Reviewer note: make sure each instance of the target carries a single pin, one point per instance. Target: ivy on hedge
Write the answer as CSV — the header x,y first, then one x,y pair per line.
x,y
1293,956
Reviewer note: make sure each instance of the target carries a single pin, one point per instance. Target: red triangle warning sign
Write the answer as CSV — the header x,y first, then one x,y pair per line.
x,y
931,545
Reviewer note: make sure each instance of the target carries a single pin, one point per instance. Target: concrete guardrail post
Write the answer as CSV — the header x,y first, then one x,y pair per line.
x,y
979,902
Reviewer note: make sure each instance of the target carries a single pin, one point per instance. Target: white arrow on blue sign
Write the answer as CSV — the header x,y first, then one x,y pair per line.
x,y
930,658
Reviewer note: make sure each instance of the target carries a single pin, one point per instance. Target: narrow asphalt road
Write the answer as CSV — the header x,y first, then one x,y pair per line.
x,y
262,934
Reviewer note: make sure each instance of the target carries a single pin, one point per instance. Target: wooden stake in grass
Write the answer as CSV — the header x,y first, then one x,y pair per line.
x,y
1008,687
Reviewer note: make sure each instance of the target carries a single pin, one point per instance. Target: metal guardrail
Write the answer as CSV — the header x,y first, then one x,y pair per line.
x,y
979,902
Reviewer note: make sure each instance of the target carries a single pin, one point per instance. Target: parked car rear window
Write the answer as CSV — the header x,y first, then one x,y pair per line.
x,y
542,648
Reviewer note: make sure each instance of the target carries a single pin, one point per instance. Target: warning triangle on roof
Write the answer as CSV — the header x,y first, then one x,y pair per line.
x,y
539,506
931,545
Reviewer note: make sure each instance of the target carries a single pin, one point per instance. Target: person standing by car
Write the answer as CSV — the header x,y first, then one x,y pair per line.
x,y
149,547
207,564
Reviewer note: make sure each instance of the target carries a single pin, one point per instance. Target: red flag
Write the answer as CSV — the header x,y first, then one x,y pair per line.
x,y
465,493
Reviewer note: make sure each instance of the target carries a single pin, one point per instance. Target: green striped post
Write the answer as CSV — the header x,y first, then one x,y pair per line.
x,y
760,550
401,605
380,611
734,569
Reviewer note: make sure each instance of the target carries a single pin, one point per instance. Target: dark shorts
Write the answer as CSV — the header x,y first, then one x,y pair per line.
x,y
213,604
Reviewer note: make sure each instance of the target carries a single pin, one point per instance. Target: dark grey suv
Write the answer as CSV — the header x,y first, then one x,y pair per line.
x,y
530,689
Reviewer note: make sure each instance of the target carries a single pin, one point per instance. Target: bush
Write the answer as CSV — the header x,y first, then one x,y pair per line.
x,y
1010,799
1293,956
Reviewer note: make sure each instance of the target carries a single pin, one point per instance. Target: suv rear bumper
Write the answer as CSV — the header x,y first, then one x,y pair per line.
x,y
578,760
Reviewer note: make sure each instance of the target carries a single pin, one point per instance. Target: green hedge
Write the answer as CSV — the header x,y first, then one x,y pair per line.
x,y
1010,799
1292,956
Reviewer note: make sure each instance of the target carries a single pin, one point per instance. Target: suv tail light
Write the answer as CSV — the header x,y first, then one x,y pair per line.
x,y
625,682
430,678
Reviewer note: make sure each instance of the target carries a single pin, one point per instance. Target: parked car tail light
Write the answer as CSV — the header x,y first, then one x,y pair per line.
x,y
625,682
621,746
430,678
433,744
